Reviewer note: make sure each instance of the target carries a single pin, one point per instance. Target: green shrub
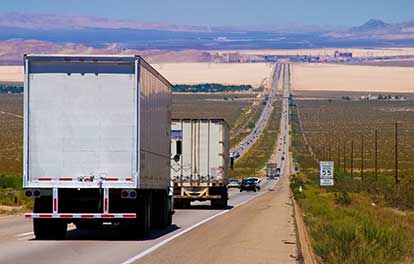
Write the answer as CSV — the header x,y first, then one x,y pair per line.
x,y
8,181
343,198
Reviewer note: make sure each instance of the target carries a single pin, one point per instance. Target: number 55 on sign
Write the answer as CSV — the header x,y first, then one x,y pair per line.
x,y
326,173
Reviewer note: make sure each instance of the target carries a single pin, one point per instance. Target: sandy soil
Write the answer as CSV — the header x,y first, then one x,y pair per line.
x,y
225,73
335,77
188,73
11,73
328,51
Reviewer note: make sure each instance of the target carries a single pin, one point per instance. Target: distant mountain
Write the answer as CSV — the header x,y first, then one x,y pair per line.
x,y
50,22
44,33
378,30
372,24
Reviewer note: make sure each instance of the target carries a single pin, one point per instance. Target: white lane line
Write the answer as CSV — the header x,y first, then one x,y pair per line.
x,y
162,243
155,247
70,228
25,234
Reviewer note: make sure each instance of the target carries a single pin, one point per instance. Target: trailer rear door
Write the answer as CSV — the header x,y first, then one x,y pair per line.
x,y
80,122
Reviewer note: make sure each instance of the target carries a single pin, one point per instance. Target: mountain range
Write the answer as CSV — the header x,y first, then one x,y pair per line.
x,y
39,33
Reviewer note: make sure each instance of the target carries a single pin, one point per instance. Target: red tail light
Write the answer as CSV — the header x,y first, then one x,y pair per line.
x,y
28,193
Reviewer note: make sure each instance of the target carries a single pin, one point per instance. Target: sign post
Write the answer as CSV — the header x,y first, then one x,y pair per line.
x,y
326,173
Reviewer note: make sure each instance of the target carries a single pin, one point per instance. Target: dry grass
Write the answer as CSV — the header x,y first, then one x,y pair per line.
x,y
335,77
224,73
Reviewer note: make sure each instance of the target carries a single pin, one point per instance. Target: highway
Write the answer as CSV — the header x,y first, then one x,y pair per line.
x,y
261,123
17,243
256,228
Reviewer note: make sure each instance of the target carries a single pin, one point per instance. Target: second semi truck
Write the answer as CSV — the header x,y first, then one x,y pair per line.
x,y
200,173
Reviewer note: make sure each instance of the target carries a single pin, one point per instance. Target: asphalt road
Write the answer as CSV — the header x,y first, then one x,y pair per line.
x,y
17,243
261,123
261,231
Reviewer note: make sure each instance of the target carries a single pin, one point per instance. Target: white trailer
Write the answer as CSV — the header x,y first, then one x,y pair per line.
x,y
96,143
201,172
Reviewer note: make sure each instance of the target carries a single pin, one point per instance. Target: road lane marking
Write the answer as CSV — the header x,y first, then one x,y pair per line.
x,y
162,243
70,228
25,234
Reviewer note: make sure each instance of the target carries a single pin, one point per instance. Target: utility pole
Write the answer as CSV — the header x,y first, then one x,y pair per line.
x,y
376,154
344,157
339,156
352,158
362,157
329,151
397,180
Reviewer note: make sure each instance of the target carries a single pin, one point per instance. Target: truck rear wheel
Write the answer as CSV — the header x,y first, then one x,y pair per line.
x,y
223,202
160,212
181,203
139,227
48,229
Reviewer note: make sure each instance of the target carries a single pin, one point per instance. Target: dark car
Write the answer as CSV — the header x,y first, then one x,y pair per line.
x,y
249,184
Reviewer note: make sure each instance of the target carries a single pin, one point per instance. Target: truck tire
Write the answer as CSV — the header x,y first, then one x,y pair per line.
x,y
49,229
139,227
223,202
160,210
143,224
177,203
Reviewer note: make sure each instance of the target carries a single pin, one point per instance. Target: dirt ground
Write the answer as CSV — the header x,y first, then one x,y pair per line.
x,y
255,74
11,73
336,77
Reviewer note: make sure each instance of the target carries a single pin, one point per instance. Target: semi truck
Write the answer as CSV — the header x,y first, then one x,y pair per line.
x,y
96,143
272,171
200,172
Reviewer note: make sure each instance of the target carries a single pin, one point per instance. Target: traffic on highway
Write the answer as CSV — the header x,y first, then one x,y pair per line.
x,y
84,242
270,97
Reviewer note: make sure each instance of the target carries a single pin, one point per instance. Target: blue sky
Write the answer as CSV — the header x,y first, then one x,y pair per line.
x,y
225,12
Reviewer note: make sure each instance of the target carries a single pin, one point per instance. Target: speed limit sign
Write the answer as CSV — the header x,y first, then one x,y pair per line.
x,y
326,173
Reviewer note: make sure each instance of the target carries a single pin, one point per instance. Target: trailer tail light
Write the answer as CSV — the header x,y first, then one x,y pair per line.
x,y
133,194
28,193
128,194
124,194
36,193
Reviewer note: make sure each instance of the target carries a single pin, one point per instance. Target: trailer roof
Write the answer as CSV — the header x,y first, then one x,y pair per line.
x,y
98,57
201,119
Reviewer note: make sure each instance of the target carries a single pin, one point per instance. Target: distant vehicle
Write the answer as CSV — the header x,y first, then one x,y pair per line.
x,y
249,184
271,170
233,183
258,181
283,158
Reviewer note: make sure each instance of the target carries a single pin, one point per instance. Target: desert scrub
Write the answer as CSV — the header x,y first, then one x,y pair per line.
x,y
11,194
351,233
350,222
245,123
